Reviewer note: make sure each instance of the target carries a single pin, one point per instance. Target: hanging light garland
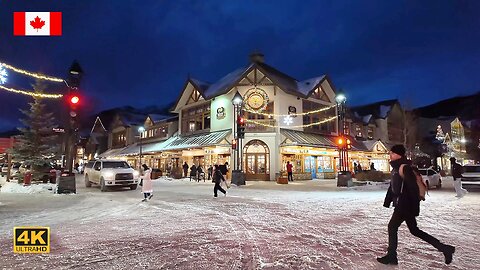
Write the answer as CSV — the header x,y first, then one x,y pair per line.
x,y
32,74
292,114
33,94
3,79
299,126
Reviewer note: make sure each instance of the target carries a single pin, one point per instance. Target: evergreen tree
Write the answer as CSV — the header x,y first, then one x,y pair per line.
x,y
38,143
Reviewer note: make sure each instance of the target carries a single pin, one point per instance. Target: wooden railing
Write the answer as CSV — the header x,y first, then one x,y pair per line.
x,y
261,125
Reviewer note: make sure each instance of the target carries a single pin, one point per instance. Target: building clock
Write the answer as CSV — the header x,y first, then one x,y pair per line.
x,y
256,99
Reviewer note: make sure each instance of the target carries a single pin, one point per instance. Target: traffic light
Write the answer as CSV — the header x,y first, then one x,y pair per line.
x,y
340,142
344,143
240,127
349,144
73,101
234,144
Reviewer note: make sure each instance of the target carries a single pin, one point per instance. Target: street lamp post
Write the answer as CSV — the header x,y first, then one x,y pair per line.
x,y
238,176
140,131
344,174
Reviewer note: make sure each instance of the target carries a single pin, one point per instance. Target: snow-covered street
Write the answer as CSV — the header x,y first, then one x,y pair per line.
x,y
302,225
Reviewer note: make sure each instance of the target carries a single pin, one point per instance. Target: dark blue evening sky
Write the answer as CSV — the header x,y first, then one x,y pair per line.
x,y
140,53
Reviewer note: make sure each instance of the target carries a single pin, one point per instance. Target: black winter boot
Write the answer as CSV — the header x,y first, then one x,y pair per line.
x,y
388,259
448,253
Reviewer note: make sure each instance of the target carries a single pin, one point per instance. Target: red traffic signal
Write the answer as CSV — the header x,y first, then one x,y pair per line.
x,y
74,100
234,144
241,121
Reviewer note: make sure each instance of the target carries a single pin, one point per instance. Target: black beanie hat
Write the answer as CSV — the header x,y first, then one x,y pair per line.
x,y
398,149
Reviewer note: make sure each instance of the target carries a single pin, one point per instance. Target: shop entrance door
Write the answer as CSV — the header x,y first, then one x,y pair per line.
x,y
310,166
257,161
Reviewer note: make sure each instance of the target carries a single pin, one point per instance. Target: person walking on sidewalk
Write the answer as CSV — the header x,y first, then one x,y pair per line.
x,y
289,171
218,178
404,193
185,169
147,185
457,171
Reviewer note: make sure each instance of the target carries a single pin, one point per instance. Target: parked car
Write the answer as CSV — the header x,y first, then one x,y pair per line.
x,y
45,172
471,176
431,178
107,173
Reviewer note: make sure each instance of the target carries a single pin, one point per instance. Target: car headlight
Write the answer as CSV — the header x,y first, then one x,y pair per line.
x,y
136,174
109,175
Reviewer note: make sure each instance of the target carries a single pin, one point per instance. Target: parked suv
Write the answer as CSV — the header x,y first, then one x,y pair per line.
x,y
107,173
431,178
471,176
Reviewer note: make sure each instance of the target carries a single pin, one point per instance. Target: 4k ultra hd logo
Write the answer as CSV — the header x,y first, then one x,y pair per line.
x,y
31,240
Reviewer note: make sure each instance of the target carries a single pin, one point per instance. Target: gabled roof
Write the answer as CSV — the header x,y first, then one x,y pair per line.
x,y
200,85
132,119
98,120
156,118
376,110
285,82
223,85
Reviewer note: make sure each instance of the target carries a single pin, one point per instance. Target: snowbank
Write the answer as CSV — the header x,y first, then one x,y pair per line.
x,y
10,187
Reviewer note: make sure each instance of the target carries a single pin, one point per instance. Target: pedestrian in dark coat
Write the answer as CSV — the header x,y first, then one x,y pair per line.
x,y
185,169
457,171
218,178
193,172
404,193
210,172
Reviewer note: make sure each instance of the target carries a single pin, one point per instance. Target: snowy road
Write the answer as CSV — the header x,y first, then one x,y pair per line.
x,y
310,225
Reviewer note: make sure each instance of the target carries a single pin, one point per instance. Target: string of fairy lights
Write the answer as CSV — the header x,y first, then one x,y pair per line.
x,y
288,118
4,75
290,114
296,126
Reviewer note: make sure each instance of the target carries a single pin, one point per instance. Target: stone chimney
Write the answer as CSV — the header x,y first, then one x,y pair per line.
x,y
257,57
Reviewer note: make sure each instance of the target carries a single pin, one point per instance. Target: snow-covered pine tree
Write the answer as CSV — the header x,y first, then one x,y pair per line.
x,y
38,143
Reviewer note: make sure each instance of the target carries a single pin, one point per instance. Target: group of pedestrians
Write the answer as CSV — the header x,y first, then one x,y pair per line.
x,y
403,193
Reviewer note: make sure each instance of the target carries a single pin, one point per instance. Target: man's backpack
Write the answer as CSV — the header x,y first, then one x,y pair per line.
x,y
422,188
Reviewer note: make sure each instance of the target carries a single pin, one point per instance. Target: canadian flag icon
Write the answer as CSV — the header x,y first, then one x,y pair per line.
x,y
37,23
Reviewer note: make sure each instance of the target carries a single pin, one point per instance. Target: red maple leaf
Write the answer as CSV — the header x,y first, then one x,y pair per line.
x,y
37,23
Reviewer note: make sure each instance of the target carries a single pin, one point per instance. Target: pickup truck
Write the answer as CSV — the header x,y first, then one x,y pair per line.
x,y
471,176
109,173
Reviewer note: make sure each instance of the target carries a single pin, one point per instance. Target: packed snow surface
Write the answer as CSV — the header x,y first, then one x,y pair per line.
x,y
263,225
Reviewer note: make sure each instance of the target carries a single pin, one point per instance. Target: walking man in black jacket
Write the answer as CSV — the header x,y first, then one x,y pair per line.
x,y
218,178
404,193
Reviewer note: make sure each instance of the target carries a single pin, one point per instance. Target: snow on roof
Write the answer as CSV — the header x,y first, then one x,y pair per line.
x,y
384,110
161,117
223,85
284,81
200,84
366,118
132,119
306,86
379,109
